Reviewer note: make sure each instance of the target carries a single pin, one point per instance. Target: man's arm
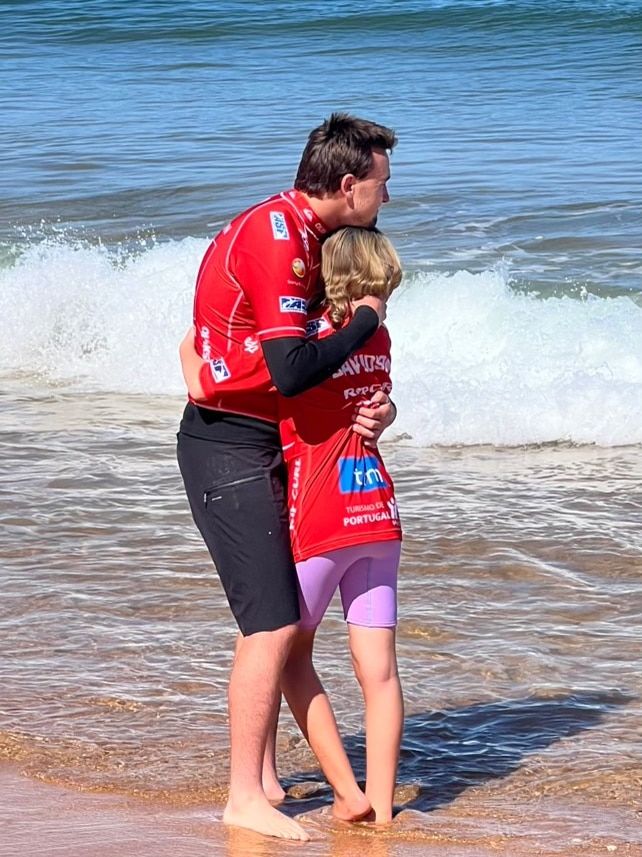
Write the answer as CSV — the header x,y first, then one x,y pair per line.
x,y
292,364
370,421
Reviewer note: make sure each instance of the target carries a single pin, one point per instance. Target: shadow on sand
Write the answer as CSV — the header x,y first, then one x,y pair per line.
x,y
443,753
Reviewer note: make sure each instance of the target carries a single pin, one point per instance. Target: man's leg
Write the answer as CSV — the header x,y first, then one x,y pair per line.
x,y
253,689
237,497
271,785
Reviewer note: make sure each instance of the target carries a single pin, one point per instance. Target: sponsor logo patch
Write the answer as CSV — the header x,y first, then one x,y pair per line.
x,y
360,475
206,350
298,266
359,363
220,372
316,325
299,305
359,392
250,345
279,226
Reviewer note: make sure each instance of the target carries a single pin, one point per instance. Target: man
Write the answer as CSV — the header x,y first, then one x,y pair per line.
x,y
252,294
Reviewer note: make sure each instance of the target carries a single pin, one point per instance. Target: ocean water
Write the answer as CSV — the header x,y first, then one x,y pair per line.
x,y
132,131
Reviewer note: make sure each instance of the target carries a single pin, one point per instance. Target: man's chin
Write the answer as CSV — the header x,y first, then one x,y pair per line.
x,y
365,224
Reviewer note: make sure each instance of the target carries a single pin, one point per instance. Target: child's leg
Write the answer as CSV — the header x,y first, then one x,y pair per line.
x,y
369,594
312,711
318,581
375,666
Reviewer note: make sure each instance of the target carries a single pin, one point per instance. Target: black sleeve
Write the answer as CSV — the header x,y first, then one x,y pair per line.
x,y
298,364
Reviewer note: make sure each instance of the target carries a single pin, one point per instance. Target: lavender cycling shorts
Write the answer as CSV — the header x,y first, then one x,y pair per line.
x,y
366,576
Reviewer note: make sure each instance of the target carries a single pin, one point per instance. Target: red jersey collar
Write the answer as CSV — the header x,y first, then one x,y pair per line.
x,y
312,220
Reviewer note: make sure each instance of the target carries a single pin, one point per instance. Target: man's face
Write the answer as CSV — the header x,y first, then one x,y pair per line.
x,y
370,193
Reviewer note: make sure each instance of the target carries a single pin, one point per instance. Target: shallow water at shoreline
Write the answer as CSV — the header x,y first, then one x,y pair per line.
x,y
520,607
44,819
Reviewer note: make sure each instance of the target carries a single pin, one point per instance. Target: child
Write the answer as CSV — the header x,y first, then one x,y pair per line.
x,y
344,527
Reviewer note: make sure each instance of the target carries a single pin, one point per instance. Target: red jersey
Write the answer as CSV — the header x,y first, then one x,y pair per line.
x,y
254,284
339,491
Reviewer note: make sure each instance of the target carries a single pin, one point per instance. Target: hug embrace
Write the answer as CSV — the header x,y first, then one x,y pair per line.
x,y
288,374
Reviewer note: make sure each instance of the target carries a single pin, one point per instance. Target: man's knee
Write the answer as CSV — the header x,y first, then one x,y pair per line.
x,y
273,645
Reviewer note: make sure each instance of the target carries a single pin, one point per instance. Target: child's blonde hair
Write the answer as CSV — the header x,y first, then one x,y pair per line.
x,y
355,262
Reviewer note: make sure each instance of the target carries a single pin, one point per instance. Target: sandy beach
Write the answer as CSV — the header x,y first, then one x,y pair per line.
x,y
40,819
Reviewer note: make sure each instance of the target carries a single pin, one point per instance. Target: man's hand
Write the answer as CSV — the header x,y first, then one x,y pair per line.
x,y
377,304
371,420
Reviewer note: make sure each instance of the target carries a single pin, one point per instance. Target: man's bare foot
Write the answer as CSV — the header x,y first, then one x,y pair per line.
x,y
258,815
352,807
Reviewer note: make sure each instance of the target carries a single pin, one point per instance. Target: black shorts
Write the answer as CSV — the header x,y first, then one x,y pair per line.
x,y
238,498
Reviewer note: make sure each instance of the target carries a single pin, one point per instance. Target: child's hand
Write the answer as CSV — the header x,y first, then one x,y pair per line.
x,y
191,364
373,417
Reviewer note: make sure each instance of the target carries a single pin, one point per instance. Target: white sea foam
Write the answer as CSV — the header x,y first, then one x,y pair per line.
x,y
93,319
474,360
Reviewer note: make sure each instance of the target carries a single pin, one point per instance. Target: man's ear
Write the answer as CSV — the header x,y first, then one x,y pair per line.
x,y
347,185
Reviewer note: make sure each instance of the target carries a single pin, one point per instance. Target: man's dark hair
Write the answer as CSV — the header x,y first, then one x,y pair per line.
x,y
343,144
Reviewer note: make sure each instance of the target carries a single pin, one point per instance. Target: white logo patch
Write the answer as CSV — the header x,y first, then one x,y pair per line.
x,y
364,363
299,305
250,345
206,351
220,372
279,226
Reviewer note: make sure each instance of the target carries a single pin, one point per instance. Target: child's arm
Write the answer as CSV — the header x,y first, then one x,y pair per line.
x,y
191,364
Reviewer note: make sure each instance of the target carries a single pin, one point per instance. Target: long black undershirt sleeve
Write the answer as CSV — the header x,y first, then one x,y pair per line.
x,y
298,364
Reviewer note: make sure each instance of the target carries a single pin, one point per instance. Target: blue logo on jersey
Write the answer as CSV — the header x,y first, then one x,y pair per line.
x,y
294,305
279,226
316,325
219,370
360,475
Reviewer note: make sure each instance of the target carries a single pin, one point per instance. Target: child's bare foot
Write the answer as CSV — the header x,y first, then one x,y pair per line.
x,y
378,816
352,807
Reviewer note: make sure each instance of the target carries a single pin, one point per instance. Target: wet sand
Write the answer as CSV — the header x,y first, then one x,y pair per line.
x,y
40,819
518,644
